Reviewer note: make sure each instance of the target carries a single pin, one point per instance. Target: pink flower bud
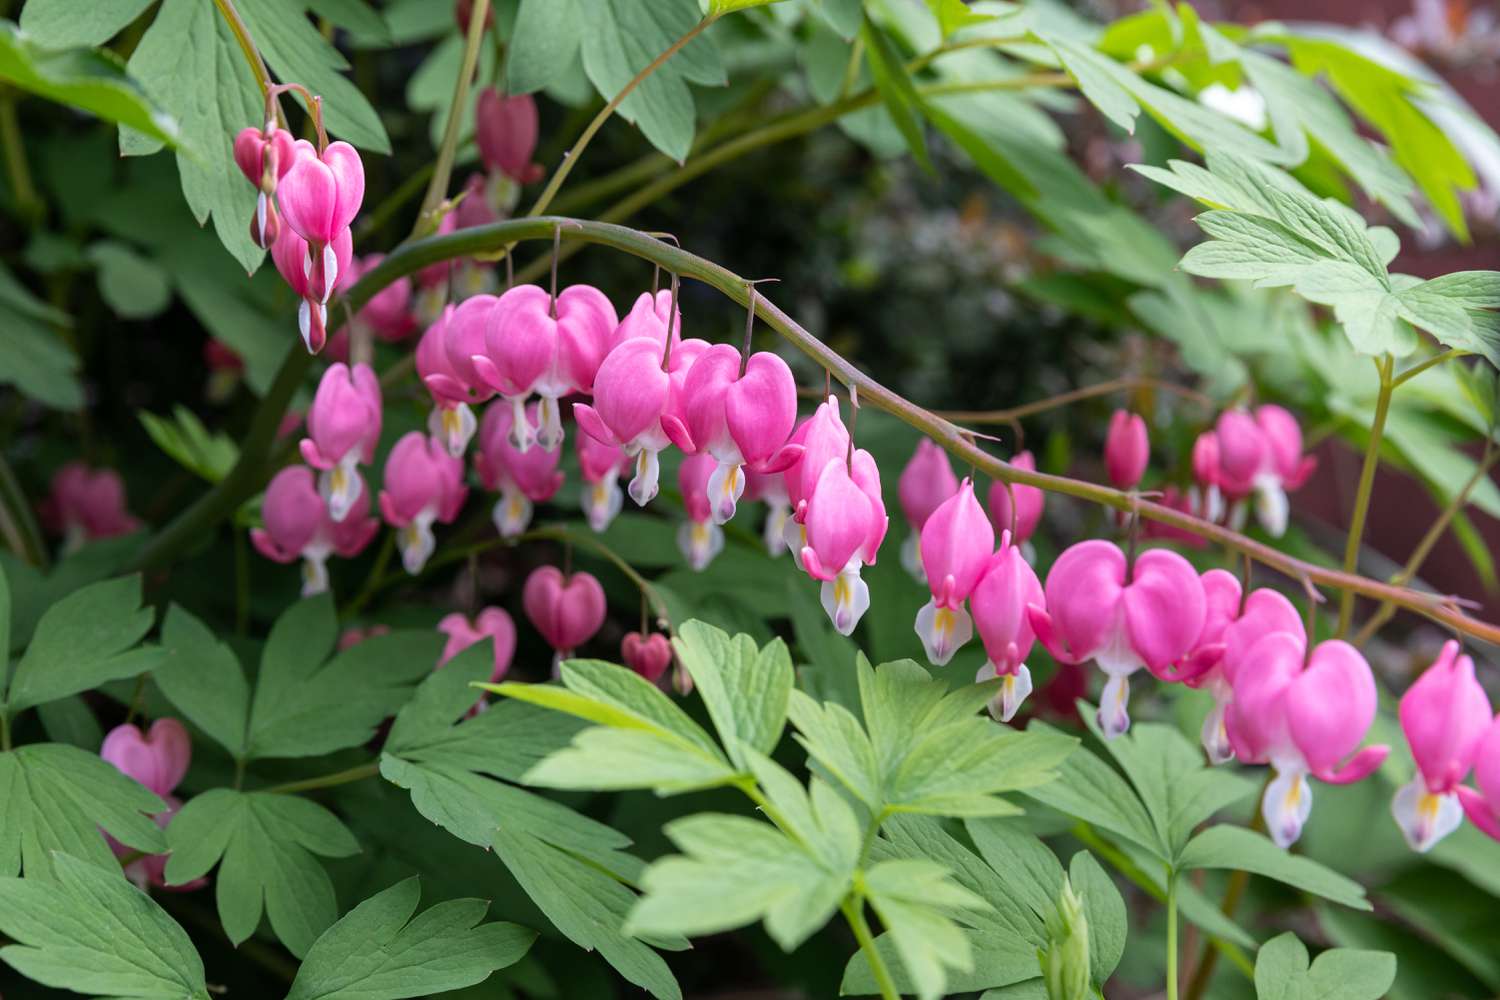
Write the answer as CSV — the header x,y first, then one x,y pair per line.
x,y
1126,449
822,437
1482,806
1444,716
648,318
1242,449
566,610
648,655
490,623
527,348
956,545
845,522
1022,517
522,478
423,484
84,504
1000,600
925,483
157,759
1122,618
474,208
505,129
343,425
263,155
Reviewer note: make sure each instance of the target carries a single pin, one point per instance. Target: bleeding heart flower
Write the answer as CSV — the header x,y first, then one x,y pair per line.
x,y
388,313
648,318
600,465
84,504
490,623
299,525
925,483
1127,449
1264,612
1005,591
957,542
423,484
845,521
319,197
1482,805
343,427
1017,508
1283,467
1122,617
700,538
1206,463
566,610
551,348
648,655
1242,452
1303,721
290,254
451,421
739,418
157,758
521,477
505,129
1444,716
264,156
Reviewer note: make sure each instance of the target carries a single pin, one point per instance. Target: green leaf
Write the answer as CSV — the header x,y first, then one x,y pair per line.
x,y
1457,309
70,720
58,797
93,932
1282,972
745,689
264,844
83,640
735,870
63,24
202,678
1098,83
896,90
39,363
1105,910
843,16
135,287
1091,790
588,906
1234,847
33,593
910,896
208,455
366,24
188,62
378,951
545,42
623,38
955,15
91,81
304,707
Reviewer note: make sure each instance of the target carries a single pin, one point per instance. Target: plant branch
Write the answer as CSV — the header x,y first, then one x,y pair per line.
x,y
570,158
18,526
437,188
1366,485
854,912
1431,362
29,204
1126,384
344,777
252,55
1171,935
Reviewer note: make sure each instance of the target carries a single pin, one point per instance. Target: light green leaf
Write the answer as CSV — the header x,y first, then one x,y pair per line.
x,y
63,24
202,678
909,895
92,81
745,689
93,932
39,363
304,707
546,40
208,455
83,640
365,23
843,16
734,871
1093,791
135,287
624,37
1097,83
264,844
1282,972
1105,910
1234,847
897,91
33,593
955,15
58,797
379,951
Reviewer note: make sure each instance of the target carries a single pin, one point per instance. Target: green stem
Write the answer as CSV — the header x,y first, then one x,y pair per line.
x,y
29,205
1431,362
871,833
17,524
1366,486
241,584
854,912
241,32
391,203
374,581
345,777
437,189
570,159
4,729
1171,935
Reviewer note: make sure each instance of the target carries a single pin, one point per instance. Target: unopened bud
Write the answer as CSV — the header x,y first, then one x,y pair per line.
x,y
1065,960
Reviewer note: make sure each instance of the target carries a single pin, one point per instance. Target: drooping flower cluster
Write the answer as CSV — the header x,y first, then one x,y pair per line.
x,y
1253,458
85,504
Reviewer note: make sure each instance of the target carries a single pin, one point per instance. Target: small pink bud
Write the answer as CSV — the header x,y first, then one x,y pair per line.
x,y
956,545
490,623
647,654
845,521
157,759
648,318
567,611
1022,517
505,129
1127,449
84,504
1242,450
925,483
